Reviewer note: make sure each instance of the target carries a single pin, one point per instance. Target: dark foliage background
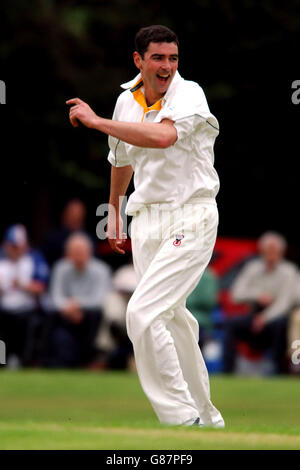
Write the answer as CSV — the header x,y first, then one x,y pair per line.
x,y
244,55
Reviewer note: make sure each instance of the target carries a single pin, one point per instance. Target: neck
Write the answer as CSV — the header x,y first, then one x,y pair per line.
x,y
271,266
151,97
80,267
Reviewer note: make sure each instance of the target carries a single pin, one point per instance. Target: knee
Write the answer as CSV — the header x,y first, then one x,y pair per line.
x,y
133,320
139,319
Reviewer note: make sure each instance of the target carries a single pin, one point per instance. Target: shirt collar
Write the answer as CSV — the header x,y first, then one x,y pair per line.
x,y
177,77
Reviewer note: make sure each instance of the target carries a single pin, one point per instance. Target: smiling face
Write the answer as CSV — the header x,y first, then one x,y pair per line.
x,y
157,67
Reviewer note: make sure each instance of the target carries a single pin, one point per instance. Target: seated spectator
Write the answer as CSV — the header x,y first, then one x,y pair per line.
x,y
113,337
267,284
78,287
73,220
201,303
23,278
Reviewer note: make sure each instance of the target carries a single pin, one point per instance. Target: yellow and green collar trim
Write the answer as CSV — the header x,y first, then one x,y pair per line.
x,y
141,100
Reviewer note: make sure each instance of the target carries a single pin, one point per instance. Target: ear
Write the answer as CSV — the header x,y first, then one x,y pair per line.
x,y
137,59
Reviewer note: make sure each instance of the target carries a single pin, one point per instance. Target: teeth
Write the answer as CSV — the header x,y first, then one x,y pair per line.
x,y
163,76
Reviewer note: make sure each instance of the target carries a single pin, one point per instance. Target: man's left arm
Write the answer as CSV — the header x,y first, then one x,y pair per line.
x,y
141,134
284,298
40,276
33,287
281,305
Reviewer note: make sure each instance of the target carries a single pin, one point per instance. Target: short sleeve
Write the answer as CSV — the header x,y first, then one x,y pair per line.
x,y
187,109
117,155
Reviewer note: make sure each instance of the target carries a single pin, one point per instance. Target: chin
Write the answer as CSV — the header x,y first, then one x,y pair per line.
x,y
164,89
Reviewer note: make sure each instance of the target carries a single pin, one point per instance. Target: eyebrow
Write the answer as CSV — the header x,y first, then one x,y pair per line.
x,y
163,55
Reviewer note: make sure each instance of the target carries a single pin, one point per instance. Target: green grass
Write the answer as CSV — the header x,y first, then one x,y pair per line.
x,y
104,410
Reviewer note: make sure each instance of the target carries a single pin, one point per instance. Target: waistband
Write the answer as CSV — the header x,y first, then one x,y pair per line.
x,y
168,207
201,199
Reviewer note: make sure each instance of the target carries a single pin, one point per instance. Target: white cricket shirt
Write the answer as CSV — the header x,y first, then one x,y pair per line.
x,y
171,176
14,298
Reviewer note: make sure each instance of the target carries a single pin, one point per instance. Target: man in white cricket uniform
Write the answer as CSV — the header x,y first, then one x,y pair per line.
x,y
163,132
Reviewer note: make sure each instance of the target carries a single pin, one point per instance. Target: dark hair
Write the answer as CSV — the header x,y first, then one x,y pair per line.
x,y
154,33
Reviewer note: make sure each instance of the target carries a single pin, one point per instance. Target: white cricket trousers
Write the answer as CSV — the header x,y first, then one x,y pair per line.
x,y
164,333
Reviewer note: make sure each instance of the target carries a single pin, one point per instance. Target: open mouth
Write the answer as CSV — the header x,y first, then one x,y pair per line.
x,y
163,78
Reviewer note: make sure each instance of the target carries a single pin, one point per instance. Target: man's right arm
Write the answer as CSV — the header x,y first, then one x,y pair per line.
x,y
120,179
57,294
244,288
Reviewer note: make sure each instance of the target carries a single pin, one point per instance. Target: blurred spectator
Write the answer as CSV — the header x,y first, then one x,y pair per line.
x,y
267,284
23,278
293,336
79,284
113,337
72,220
201,303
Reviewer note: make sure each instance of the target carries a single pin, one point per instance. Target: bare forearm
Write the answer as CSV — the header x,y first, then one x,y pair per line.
x,y
119,182
140,134
120,179
34,287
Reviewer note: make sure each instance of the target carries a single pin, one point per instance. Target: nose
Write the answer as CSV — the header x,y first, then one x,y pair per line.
x,y
166,65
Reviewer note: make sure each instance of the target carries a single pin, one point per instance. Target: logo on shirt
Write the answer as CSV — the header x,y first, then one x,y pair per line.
x,y
177,242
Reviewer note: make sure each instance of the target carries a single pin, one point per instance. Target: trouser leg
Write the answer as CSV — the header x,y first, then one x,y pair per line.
x,y
86,334
14,328
72,345
235,329
160,373
184,329
159,348
277,335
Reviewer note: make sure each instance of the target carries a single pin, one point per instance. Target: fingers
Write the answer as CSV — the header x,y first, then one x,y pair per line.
x,y
117,245
74,108
72,115
74,121
74,101
117,249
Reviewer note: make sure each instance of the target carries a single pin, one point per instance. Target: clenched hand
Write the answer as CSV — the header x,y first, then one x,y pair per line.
x,y
81,111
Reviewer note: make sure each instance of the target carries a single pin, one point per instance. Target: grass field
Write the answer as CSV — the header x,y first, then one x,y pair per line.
x,y
105,410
